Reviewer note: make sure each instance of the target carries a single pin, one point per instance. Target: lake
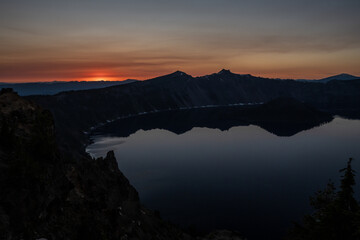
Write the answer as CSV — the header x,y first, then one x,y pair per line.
x,y
242,178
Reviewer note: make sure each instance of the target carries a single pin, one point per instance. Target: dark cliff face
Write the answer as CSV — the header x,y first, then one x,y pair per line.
x,y
44,194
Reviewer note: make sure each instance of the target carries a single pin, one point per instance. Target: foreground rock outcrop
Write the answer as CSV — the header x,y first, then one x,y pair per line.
x,y
45,194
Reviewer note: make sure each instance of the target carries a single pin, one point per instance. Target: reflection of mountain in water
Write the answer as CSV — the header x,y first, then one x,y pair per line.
x,y
282,117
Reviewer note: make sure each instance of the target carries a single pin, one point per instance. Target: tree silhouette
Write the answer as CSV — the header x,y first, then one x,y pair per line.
x,y
346,198
336,214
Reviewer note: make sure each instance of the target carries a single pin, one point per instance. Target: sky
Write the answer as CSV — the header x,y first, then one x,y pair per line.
x,y
48,40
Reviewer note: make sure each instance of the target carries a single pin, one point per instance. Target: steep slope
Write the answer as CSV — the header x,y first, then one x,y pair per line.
x,y
44,194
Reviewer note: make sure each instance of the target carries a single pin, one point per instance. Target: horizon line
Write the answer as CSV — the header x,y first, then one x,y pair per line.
x,y
149,78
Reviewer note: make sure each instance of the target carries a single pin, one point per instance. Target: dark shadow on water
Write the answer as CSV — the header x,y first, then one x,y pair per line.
x,y
280,117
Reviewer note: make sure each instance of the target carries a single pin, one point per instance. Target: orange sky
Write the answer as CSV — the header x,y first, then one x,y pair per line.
x,y
116,40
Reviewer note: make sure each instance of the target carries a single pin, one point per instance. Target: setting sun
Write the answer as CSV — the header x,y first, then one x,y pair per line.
x,y
101,76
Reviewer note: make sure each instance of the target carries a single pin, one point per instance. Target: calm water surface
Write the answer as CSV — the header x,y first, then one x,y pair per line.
x,y
244,179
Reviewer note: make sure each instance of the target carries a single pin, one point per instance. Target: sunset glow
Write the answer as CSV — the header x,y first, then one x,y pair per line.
x,y
117,40
99,76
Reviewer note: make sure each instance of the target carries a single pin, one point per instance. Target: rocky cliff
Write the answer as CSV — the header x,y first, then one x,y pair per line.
x,y
45,194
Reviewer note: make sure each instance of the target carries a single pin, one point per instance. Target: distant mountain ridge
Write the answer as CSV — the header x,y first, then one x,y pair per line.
x,y
55,87
342,77
339,77
50,88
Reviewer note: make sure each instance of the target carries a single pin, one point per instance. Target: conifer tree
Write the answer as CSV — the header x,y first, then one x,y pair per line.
x,y
346,198
336,215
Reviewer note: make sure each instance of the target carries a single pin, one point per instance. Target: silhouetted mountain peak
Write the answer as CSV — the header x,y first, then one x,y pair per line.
x,y
342,76
171,78
345,74
179,73
225,71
